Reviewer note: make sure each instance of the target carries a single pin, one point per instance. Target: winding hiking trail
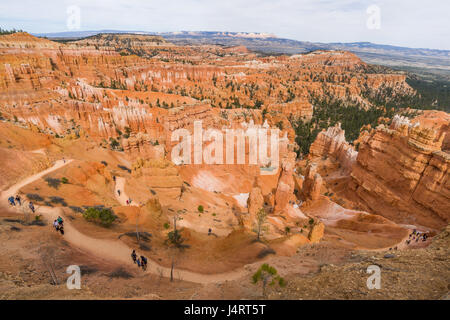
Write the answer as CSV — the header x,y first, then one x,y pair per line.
x,y
120,185
109,250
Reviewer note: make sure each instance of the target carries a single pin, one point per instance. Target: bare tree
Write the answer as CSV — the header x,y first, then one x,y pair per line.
x,y
47,255
261,217
175,240
171,269
160,272
137,224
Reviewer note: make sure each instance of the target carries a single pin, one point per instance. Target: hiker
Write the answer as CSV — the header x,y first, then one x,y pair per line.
x,y
138,262
118,191
56,225
209,231
127,202
11,201
114,178
18,200
144,263
31,206
133,256
60,221
64,160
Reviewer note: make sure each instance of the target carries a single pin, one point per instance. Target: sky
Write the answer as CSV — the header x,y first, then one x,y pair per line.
x,y
410,23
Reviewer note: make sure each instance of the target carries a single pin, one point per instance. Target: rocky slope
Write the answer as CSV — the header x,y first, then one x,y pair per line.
x,y
400,171
332,143
130,93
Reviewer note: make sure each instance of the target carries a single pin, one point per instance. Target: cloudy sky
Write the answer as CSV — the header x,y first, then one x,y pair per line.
x,y
412,23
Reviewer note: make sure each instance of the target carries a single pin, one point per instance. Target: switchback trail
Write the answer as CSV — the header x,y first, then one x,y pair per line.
x,y
108,249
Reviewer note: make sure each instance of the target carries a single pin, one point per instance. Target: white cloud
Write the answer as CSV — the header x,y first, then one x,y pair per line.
x,y
413,23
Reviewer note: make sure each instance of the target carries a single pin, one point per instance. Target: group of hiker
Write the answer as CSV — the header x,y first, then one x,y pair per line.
x,y
141,262
416,236
17,200
58,224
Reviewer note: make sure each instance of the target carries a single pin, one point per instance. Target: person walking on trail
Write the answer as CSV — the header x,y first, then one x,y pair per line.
x,y
64,160
56,225
31,206
134,256
11,201
60,221
18,200
138,262
114,178
118,191
144,263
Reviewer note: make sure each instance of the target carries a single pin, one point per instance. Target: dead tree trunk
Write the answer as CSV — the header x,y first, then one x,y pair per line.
x,y
137,226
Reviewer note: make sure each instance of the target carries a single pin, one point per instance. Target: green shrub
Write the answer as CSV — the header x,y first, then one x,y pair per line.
x,y
166,225
268,275
200,209
64,180
104,217
175,238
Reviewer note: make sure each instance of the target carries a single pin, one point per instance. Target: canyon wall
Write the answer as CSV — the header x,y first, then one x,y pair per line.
x,y
332,143
401,172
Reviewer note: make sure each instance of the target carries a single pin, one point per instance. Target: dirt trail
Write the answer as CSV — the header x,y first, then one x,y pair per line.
x,y
12,191
120,185
110,249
